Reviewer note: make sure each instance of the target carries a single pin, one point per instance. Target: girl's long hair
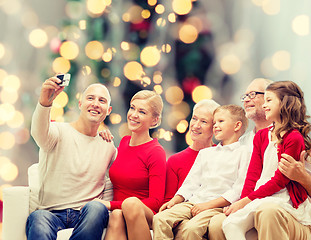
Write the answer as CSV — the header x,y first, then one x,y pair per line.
x,y
293,111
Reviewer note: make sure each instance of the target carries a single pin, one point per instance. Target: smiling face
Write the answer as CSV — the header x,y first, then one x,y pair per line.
x,y
201,125
272,107
140,117
95,103
253,107
224,126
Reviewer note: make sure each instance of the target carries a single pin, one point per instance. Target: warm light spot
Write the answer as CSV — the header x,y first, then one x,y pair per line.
x,y
56,113
150,56
167,136
174,95
152,2
115,118
161,22
230,64
107,56
188,33
159,9
123,130
82,24
94,50
16,121
3,160
61,64
61,100
7,140
7,112
145,13
271,7
182,7
96,7
172,17
105,72
281,60
301,25
201,92
126,17
86,70
166,48
196,22
116,82
267,68
158,89
133,70
2,50
107,2
189,141
38,38
69,50
182,126
9,172
125,46
135,14
157,77
11,83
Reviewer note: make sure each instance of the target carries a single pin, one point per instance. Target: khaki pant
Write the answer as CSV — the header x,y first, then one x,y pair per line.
x,y
271,221
191,228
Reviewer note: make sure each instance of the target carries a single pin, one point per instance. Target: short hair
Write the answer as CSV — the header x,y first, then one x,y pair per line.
x,y
208,104
98,84
237,113
155,103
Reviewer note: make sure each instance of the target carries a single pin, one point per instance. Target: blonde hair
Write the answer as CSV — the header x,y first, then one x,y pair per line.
x,y
209,104
154,101
237,113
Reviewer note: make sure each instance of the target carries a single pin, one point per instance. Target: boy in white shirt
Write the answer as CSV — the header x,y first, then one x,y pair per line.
x,y
214,181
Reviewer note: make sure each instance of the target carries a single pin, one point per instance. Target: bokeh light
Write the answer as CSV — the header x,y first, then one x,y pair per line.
x,y
152,2
188,139
281,60
38,38
182,126
271,7
7,112
16,121
69,50
188,33
201,92
230,64
57,114
301,25
2,50
8,96
182,7
159,9
74,9
174,95
11,83
94,50
9,172
96,7
150,56
133,71
158,89
134,14
115,118
61,100
116,82
61,65
7,140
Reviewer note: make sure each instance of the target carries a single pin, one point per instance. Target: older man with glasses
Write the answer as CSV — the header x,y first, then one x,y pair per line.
x,y
271,221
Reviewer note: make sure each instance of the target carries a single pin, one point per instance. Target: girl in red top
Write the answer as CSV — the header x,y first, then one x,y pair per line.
x,y
138,173
285,107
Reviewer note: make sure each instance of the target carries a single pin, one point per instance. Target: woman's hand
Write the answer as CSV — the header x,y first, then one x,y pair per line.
x,y
200,207
175,200
236,206
106,135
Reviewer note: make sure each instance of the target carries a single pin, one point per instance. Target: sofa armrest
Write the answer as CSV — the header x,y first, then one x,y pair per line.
x,y
15,212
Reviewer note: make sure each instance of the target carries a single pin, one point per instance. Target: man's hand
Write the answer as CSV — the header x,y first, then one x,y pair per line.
x,y
49,91
175,200
294,170
236,206
106,135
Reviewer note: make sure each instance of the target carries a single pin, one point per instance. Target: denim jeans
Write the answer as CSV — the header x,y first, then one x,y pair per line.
x,y
88,223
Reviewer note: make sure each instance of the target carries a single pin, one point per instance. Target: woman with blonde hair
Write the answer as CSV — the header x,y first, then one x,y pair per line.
x,y
138,173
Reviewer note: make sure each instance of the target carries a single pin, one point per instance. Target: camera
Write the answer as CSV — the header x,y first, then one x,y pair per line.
x,y
65,79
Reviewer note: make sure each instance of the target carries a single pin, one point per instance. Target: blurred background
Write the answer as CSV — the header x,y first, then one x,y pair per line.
x,y
186,50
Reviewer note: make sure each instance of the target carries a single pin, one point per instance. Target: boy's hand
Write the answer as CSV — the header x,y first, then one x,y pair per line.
x,y
49,91
106,135
236,206
200,207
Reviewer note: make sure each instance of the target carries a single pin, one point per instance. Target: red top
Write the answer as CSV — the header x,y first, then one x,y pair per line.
x,y
293,144
177,169
139,171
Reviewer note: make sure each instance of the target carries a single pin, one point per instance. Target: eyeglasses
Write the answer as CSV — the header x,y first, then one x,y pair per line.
x,y
251,95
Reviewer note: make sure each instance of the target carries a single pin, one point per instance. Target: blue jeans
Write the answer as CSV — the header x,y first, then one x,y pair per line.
x,y
88,223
